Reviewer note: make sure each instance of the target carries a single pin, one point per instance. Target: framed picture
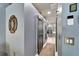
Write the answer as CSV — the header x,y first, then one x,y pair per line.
x,y
73,7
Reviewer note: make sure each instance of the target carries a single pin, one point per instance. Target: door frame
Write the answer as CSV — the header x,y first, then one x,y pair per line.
x,y
36,30
56,34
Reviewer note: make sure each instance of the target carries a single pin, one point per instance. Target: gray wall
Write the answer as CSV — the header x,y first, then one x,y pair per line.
x,y
15,41
30,30
2,29
72,31
59,30
23,41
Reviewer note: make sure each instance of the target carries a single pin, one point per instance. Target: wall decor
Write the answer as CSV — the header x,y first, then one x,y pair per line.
x,y
73,7
13,24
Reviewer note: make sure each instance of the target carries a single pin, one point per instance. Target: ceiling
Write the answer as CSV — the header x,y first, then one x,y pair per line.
x,y
4,4
43,8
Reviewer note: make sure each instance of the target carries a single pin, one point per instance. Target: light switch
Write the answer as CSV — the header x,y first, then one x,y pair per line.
x,y
71,41
67,41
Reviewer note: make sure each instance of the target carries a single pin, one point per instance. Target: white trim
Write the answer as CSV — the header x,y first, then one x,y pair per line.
x,y
36,31
56,53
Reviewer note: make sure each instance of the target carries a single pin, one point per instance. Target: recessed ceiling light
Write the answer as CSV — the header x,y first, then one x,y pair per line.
x,y
49,25
49,12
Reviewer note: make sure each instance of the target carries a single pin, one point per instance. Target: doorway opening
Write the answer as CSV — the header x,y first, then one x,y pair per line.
x,y
49,12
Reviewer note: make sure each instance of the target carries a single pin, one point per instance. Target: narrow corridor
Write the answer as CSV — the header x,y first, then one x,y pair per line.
x,y
49,47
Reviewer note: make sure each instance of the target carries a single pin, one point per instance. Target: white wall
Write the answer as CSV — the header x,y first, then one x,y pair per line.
x,y
16,40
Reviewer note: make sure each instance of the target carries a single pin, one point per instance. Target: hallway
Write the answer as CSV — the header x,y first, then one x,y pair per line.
x,y
48,47
39,29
